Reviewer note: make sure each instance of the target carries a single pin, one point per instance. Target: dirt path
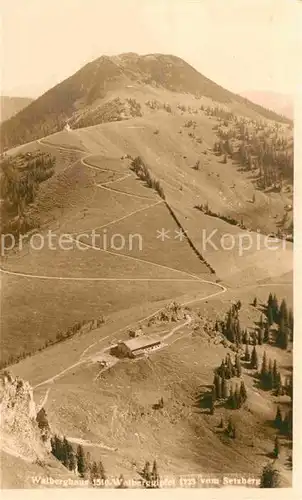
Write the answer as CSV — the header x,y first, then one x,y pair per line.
x,y
69,278
84,442
44,400
189,320
57,375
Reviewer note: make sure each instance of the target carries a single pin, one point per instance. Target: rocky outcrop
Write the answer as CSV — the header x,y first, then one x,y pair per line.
x,y
20,433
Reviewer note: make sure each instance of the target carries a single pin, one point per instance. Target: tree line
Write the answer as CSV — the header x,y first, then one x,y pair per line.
x,y
21,176
204,207
151,478
281,316
262,150
143,173
60,337
257,146
77,461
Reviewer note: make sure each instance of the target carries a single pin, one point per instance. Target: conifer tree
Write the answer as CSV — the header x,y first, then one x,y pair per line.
x,y
275,373
237,397
266,373
290,387
287,424
270,317
221,424
81,462
53,446
101,471
65,453
155,475
243,393
238,365
276,447
260,336
218,388
254,359
57,447
217,385
229,367
255,302
283,335
93,472
230,427
278,418
72,463
270,376
245,339
222,370
291,323
264,368
270,477
275,309
247,356
278,384
283,313
43,424
146,473
261,323
266,333
224,388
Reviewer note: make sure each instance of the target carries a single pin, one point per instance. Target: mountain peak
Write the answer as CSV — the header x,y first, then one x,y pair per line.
x,y
99,92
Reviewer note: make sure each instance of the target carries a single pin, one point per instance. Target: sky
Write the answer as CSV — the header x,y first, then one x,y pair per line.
x,y
240,44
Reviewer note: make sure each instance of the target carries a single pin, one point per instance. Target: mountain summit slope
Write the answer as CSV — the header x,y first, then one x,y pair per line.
x,y
100,82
